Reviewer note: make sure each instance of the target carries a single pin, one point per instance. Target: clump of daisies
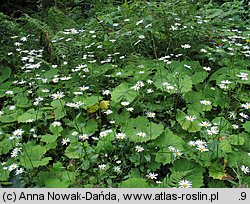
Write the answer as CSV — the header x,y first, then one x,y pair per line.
x,y
199,144
138,86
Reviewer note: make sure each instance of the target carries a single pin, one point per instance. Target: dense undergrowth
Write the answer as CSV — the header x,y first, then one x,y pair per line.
x,y
132,94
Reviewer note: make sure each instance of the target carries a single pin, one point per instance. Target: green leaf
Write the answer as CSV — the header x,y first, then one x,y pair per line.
x,y
246,126
168,138
58,104
30,114
185,84
5,145
88,101
4,87
57,177
135,183
21,100
225,146
4,174
199,77
196,174
32,156
238,158
213,13
91,126
141,124
49,138
217,171
50,73
5,73
237,140
186,124
59,113
75,150
59,109
11,117
123,92
55,130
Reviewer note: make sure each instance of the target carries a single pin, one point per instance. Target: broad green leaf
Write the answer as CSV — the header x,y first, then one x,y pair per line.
x,y
237,139
59,113
141,124
135,183
11,116
199,77
224,124
196,174
5,146
88,101
56,130
175,82
62,179
75,150
168,138
50,73
123,92
5,73
225,146
190,126
236,159
33,156
30,114
4,174
60,103
246,126
4,87
164,156
104,146
49,138
21,100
